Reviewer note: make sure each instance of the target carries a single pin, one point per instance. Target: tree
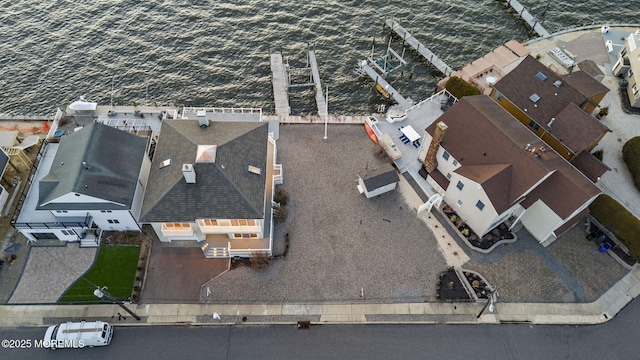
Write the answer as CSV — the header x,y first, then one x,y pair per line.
x,y
459,88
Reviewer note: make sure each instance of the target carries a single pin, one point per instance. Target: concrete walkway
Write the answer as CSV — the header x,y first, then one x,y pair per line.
x,y
602,310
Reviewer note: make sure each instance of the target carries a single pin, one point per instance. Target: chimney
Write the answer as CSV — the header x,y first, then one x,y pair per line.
x,y
189,173
202,118
430,162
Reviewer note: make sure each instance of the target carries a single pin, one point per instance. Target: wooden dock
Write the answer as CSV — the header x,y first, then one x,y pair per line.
x,y
279,80
525,15
373,74
417,46
320,99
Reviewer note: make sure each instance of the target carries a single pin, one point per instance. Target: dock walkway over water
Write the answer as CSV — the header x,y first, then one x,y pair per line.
x,y
417,46
373,74
320,99
278,79
525,15
282,82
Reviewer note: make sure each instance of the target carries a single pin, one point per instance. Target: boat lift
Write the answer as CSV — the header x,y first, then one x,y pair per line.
x,y
386,64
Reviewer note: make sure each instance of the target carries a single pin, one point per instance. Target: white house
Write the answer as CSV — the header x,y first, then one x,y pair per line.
x,y
92,180
212,182
490,168
628,67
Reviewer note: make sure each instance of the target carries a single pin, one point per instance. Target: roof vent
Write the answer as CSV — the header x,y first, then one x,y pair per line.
x,y
84,163
540,76
534,97
526,148
551,122
557,83
165,163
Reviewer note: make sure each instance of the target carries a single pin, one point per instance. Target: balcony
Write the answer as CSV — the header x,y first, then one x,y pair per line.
x,y
177,229
227,226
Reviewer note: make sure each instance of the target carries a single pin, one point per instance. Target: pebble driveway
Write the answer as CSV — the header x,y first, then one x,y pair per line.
x,y
50,271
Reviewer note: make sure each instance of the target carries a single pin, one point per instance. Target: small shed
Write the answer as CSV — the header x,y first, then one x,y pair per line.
x,y
378,181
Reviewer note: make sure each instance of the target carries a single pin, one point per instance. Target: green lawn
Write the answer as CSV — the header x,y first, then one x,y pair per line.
x,y
115,268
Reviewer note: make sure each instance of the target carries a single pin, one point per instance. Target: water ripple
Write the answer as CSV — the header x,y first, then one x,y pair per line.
x,y
216,52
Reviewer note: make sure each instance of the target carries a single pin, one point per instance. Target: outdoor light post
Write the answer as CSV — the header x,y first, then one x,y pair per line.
x,y
489,303
101,292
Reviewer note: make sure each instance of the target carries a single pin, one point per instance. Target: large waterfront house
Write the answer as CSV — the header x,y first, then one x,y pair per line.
x,y
556,108
212,182
92,180
628,67
490,168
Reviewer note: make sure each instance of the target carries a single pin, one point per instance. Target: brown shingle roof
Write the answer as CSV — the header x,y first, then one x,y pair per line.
x,y
585,84
591,68
589,165
521,83
490,144
502,143
495,180
576,129
561,194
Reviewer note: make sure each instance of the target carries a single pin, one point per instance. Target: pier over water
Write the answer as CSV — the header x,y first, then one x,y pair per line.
x,y
525,15
417,46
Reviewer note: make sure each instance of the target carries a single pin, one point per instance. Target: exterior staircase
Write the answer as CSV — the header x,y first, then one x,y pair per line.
x,y
211,252
89,243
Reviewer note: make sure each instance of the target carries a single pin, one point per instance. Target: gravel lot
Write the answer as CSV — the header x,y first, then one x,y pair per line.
x,y
340,241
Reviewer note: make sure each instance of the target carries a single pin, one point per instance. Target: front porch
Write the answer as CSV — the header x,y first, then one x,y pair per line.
x,y
221,246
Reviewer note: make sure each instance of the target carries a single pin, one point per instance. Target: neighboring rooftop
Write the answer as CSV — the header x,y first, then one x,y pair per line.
x,y
576,129
537,90
585,84
508,159
97,161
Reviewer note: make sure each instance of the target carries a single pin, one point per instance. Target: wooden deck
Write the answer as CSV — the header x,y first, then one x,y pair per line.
x,y
417,46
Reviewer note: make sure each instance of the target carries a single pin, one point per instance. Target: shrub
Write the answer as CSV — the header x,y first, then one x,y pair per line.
x,y
459,88
599,154
604,111
280,215
281,197
259,259
631,156
619,221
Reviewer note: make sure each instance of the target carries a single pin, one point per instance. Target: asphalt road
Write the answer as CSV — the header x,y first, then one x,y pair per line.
x,y
616,339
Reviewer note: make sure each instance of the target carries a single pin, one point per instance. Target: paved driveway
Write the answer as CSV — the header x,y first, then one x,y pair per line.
x,y
175,273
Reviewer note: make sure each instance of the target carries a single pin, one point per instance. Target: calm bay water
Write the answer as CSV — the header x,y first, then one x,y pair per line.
x,y
216,52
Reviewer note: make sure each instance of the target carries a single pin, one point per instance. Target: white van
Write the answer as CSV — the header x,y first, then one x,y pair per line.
x,y
78,335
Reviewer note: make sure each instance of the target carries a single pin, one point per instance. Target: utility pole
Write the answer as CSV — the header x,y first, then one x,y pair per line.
x,y
101,292
326,117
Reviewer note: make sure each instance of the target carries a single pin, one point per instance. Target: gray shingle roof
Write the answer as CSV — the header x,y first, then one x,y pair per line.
x,y
224,189
379,177
4,161
113,161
